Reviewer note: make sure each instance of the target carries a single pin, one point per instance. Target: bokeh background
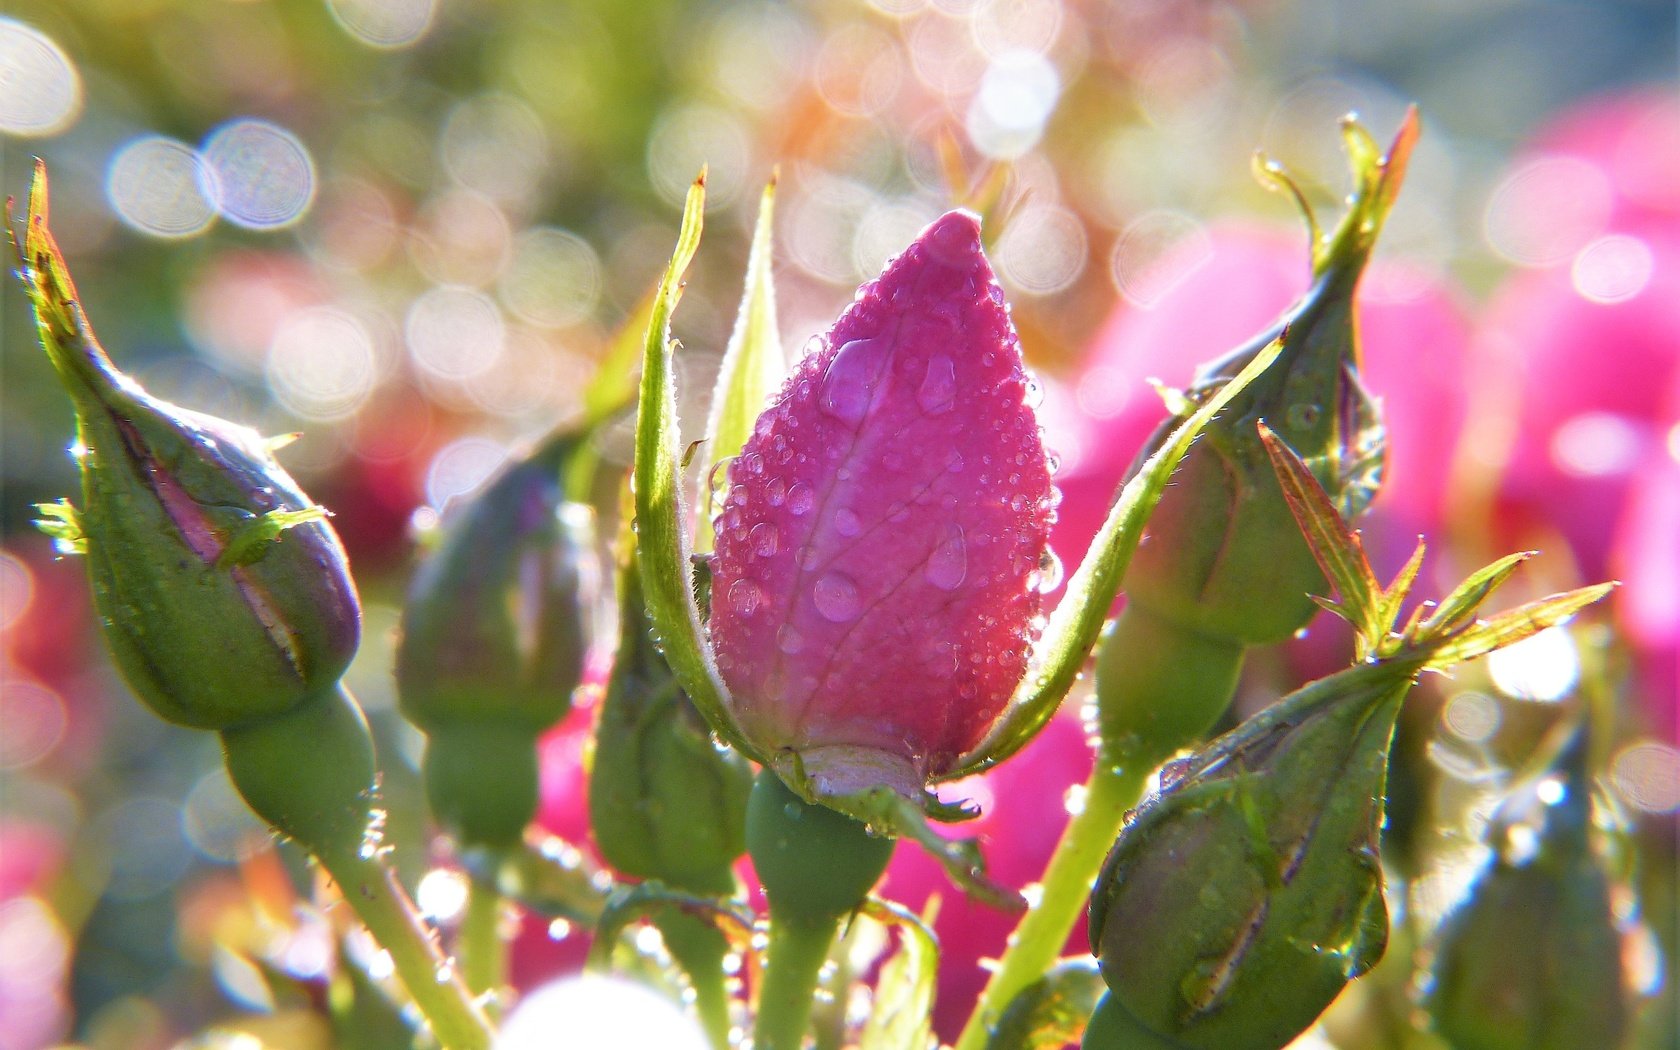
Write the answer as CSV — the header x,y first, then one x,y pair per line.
x,y
408,228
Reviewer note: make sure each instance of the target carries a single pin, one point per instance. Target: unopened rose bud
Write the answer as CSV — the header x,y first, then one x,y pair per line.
x,y
874,584
225,596
494,635
1238,902
1533,955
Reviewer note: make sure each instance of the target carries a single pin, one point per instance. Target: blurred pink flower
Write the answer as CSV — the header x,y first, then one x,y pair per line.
x,y
873,585
1227,287
1594,337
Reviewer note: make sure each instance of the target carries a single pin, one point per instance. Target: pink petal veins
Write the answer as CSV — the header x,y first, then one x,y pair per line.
x,y
873,578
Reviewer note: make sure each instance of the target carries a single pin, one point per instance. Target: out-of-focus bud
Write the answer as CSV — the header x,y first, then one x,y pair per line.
x,y
1532,957
224,594
494,636
875,580
1240,899
664,801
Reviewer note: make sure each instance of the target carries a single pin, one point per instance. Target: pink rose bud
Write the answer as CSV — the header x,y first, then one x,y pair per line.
x,y
875,582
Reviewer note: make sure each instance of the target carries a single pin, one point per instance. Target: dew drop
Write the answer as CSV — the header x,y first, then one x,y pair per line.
x,y
764,539
849,383
947,566
789,640
775,492
754,463
836,598
939,386
745,597
800,498
846,522
1049,574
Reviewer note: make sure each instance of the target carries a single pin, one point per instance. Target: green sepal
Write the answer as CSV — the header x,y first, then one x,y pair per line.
x,y
664,801
753,365
901,1016
661,522
1052,1011
1078,619
249,542
881,792
1112,1027
63,524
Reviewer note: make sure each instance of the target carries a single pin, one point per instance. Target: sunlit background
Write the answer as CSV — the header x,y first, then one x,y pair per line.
x,y
408,229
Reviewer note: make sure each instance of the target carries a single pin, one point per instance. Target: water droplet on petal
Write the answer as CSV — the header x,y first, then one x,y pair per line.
x,y
836,598
846,522
764,539
775,492
848,385
800,498
948,564
789,640
939,386
745,597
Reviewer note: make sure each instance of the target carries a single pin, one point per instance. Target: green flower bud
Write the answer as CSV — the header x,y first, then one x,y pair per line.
x,y
494,635
664,802
1532,957
1239,900
1223,556
224,595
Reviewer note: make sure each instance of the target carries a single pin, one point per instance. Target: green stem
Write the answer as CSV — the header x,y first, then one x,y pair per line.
x,y
372,891
482,949
699,948
1115,786
1159,688
798,949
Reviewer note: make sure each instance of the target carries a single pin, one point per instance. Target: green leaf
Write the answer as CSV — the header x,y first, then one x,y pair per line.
x,y
1076,622
753,364
662,543
1334,545
1051,1012
902,1014
1525,621
1468,596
